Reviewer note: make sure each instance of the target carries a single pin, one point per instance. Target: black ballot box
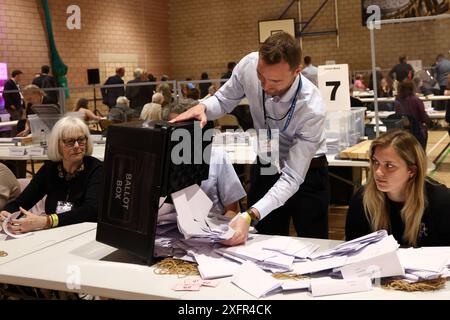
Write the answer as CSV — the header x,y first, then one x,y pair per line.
x,y
143,162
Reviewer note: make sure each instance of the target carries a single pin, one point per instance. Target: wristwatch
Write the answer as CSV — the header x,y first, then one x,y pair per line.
x,y
252,215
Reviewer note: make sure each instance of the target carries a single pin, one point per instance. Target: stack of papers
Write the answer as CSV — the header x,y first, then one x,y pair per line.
x,y
425,263
167,218
276,254
353,246
372,256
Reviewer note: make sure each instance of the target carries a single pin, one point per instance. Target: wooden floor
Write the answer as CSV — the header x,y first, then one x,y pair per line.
x,y
437,141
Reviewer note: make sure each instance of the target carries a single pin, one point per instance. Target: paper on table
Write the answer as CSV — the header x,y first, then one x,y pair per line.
x,y
424,259
385,265
318,265
253,280
328,286
212,266
5,227
296,284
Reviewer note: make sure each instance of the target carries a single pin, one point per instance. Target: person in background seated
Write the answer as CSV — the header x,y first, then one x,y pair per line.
x,y
33,96
82,106
152,111
211,91
177,108
121,112
386,87
165,90
355,102
359,84
71,180
9,186
398,197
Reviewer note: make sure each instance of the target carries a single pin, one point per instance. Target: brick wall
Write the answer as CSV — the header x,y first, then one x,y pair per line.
x,y
206,34
134,33
184,38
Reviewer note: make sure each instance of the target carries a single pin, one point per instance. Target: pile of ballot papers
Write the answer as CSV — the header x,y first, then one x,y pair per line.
x,y
190,215
426,263
187,231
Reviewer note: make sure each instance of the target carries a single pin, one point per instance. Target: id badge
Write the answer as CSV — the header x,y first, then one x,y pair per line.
x,y
63,206
269,151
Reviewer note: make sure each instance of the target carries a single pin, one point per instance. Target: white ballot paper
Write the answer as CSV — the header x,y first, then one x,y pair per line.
x,y
328,286
5,227
192,207
254,280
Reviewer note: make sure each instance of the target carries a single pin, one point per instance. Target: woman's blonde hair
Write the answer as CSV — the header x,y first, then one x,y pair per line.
x,y
65,127
374,200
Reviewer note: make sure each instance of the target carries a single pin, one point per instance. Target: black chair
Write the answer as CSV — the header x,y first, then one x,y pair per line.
x,y
408,122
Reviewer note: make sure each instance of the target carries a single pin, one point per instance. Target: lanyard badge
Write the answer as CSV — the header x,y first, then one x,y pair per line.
x,y
63,206
269,151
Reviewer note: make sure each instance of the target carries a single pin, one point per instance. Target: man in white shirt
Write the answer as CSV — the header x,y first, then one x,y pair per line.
x,y
281,101
310,71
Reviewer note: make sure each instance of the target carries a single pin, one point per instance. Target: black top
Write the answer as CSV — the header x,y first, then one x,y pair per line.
x,y
435,226
82,191
401,70
11,98
110,95
46,81
139,95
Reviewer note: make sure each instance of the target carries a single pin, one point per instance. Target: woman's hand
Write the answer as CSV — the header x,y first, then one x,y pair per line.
x,y
29,222
4,215
23,133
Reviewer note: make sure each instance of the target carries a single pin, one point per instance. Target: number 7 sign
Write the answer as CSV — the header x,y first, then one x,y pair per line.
x,y
334,86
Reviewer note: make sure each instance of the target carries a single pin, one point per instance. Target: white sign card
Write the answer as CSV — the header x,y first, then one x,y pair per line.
x,y
334,87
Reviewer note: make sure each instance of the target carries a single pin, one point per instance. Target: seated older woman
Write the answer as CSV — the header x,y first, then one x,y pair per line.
x,y
398,197
153,110
71,181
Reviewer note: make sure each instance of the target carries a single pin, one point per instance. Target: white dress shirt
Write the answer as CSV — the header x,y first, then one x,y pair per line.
x,y
303,138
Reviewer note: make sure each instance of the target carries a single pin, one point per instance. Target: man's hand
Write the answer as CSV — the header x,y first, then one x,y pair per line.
x,y
240,226
197,112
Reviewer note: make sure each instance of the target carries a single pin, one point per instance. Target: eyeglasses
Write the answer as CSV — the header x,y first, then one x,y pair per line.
x,y
70,143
